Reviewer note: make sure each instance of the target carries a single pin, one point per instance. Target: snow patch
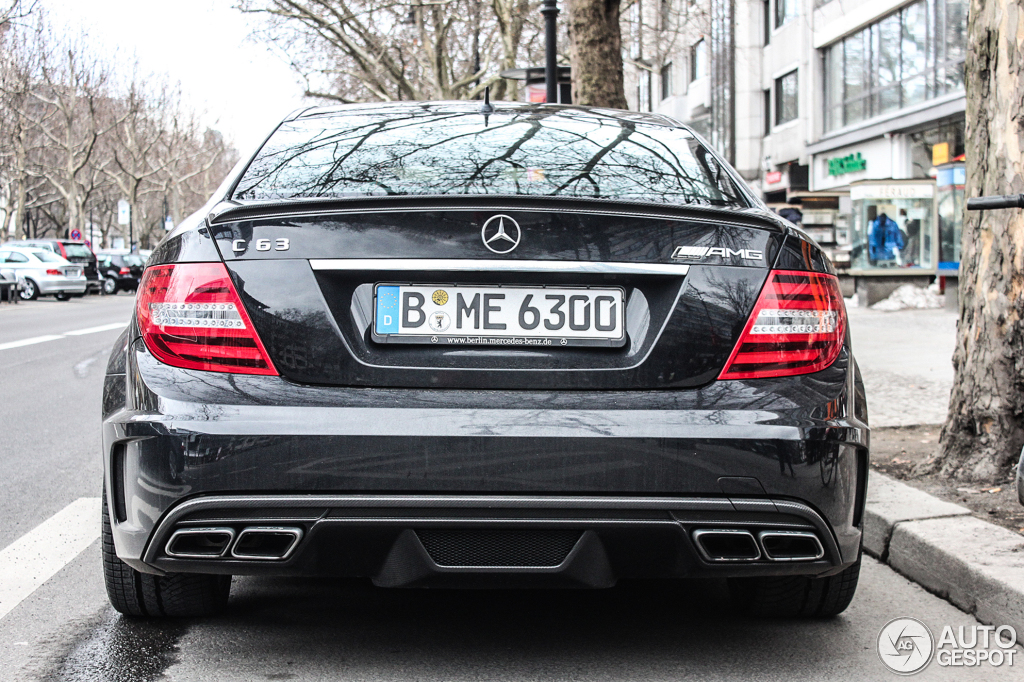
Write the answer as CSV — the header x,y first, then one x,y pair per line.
x,y
909,297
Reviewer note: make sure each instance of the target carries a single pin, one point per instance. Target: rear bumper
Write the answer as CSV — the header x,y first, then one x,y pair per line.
x,y
363,473
442,540
58,285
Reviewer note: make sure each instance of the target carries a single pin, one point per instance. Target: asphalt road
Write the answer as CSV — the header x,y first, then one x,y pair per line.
x,y
348,630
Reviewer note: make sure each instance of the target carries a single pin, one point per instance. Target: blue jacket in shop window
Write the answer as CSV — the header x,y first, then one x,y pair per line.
x,y
886,239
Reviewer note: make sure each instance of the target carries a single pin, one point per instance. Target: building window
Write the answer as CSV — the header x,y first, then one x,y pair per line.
x,y
786,98
699,60
785,11
767,25
666,81
643,91
911,56
767,112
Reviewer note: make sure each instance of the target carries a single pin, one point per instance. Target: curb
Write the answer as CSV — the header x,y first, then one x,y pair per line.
x,y
975,565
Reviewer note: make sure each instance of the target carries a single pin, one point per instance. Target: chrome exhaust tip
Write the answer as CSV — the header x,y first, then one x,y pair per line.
x,y
266,543
199,543
726,544
791,545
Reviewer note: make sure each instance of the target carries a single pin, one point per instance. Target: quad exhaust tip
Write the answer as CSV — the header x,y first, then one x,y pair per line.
x,y
200,543
719,545
727,544
261,543
791,545
266,543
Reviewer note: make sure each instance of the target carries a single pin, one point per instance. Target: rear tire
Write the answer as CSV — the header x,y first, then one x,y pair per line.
x,y
180,595
109,286
62,296
29,290
796,596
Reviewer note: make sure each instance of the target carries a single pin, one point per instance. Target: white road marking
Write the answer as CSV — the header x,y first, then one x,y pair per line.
x,y
38,555
54,337
101,328
29,342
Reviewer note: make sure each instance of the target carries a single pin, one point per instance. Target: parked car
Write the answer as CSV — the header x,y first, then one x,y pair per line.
x,y
75,251
471,345
120,272
43,273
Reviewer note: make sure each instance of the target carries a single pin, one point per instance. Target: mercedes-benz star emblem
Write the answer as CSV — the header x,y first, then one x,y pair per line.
x,y
500,234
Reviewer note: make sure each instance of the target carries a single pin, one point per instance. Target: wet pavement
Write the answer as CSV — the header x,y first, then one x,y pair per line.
x,y
348,630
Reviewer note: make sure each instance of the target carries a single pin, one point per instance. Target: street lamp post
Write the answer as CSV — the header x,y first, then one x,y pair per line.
x,y
550,12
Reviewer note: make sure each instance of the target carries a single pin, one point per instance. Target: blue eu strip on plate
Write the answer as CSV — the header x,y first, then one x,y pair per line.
x,y
387,310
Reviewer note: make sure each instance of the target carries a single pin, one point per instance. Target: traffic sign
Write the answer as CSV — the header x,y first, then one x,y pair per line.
x,y
76,234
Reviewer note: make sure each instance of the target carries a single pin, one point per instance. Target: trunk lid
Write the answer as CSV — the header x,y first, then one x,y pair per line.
x,y
308,274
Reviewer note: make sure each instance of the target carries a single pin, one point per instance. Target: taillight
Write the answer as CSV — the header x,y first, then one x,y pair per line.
x,y
797,327
54,271
190,316
124,271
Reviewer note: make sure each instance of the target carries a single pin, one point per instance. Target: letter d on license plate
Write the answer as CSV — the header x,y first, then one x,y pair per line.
x,y
516,316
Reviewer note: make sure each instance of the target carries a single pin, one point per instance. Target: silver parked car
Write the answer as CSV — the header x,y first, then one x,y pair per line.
x,y
43,273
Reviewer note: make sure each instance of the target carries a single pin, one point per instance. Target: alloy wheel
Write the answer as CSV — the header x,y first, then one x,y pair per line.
x,y
28,290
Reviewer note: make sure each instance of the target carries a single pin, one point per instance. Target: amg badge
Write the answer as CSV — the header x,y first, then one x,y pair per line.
x,y
698,252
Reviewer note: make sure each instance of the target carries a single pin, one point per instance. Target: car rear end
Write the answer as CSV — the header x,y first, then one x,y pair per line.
x,y
126,271
53,275
460,390
78,252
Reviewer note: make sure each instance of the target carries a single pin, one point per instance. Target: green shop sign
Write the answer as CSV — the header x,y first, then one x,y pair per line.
x,y
847,164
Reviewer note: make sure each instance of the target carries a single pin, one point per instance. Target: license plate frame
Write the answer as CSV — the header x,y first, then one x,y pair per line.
x,y
477,336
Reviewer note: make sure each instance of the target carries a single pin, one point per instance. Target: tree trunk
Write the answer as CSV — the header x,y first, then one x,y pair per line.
x,y
595,53
984,431
19,192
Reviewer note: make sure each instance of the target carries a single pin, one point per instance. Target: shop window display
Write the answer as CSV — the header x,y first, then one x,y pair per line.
x,y
893,226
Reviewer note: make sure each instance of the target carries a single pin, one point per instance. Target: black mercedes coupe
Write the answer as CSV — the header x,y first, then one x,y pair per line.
x,y
457,344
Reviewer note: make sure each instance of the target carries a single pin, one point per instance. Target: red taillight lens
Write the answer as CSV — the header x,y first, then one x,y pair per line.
x,y
190,316
54,271
797,327
124,271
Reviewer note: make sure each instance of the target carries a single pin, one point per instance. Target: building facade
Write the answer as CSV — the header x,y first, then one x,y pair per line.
x,y
850,113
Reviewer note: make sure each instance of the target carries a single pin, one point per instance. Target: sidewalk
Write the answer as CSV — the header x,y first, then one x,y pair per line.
x,y
906,361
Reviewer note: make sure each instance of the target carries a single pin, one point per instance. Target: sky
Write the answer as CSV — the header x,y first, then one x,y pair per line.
x,y
242,87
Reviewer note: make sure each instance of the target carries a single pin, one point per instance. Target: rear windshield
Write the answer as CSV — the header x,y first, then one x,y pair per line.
x,y
47,257
134,260
77,251
536,153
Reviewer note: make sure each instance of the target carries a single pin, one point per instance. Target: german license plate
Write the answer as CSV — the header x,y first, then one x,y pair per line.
x,y
512,316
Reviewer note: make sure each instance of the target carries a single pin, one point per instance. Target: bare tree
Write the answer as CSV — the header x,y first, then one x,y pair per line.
x,y
595,38
71,109
16,73
136,141
357,50
12,10
984,431
658,30
74,140
511,16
